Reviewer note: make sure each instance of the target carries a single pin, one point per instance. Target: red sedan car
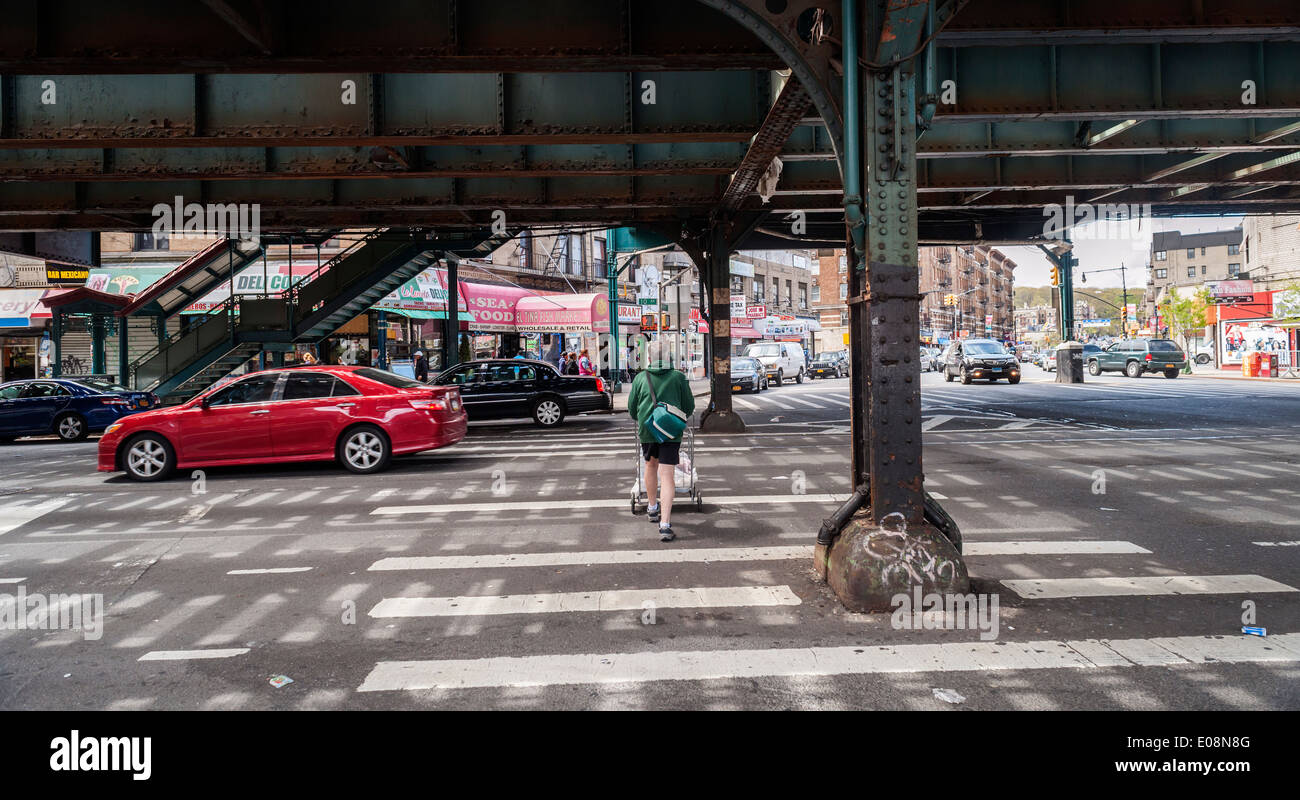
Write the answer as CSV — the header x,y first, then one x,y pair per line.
x,y
358,415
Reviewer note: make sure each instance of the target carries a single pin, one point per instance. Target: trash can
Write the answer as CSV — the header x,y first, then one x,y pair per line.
x,y
1069,362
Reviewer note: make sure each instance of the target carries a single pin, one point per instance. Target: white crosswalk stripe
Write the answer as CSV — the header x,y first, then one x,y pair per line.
x,y
606,668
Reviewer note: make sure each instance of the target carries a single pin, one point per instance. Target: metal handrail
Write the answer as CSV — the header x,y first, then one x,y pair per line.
x,y
227,307
294,291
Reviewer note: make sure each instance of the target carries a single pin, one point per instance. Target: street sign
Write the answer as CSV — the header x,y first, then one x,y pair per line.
x,y
737,307
756,312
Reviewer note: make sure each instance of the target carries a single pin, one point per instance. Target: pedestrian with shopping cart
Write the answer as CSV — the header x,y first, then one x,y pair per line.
x,y
661,402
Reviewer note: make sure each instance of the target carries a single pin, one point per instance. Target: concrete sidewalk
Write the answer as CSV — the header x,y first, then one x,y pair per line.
x,y
699,388
1235,375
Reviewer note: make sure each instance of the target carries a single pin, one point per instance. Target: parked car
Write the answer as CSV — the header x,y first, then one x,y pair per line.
x,y
829,364
781,360
974,359
505,388
68,408
747,373
358,415
1204,353
1135,357
931,359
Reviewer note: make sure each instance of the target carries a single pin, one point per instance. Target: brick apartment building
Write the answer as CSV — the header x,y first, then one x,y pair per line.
x,y
981,277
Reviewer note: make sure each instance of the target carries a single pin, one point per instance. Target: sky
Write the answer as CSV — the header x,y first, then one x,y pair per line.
x,y
1097,253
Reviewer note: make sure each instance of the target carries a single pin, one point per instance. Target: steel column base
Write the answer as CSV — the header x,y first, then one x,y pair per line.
x,y
868,566
721,422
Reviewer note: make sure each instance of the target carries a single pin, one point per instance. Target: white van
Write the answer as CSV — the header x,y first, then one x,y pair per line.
x,y
781,360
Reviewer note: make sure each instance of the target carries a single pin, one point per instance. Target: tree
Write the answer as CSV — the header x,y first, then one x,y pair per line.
x,y
1184,314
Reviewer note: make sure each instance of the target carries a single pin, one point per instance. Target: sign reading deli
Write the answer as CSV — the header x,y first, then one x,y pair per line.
x,y
57,274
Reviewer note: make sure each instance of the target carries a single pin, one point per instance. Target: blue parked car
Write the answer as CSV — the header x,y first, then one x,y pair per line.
x,y
68,408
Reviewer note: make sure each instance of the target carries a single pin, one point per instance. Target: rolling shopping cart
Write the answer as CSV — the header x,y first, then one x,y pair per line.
x,y
684,475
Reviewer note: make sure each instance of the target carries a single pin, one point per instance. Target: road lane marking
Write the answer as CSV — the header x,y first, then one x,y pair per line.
x,y
709,555
592,557
1261,544
17,515
582,505
699,665
1051,548
1149,585
20,580
571,602
192,655
268,571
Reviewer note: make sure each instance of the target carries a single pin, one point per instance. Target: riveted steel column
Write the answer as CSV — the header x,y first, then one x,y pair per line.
x,y
720,416
886,311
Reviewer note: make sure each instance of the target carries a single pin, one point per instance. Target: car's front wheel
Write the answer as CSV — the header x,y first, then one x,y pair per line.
x,y
149,457
1133,369
548,412
965,376
71,427
1094,368
364,449
799,378
947,376
780,377
1013,380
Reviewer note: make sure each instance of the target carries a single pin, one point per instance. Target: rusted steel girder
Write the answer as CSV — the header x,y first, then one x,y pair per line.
x,y
791,105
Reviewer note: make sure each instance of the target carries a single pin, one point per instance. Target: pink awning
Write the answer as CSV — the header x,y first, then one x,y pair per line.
x,y
492,306
744,332
563,313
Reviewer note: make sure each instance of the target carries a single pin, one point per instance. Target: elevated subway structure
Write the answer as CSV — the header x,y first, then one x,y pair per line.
x,y
896,122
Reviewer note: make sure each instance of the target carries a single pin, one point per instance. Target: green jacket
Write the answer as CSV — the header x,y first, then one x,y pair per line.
x,y
670,386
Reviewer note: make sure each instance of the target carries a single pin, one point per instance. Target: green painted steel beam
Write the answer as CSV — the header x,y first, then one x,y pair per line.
x,y
1057,137
293,163
225,110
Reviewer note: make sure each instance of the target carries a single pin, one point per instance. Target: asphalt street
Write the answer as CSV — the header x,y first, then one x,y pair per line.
x,y
1121,524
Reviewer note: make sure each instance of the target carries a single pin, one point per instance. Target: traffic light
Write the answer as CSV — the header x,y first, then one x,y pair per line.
x,y
1056,276
665,324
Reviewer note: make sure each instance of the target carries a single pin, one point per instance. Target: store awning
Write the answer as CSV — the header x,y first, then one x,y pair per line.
x,y
563,313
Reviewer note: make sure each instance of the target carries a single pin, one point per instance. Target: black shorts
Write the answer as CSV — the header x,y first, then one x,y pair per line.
x,y
667,452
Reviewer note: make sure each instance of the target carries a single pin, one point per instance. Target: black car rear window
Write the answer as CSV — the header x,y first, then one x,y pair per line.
x,y
388,378
1164,346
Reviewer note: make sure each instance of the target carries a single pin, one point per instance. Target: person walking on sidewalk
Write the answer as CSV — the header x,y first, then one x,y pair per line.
x,y
659,383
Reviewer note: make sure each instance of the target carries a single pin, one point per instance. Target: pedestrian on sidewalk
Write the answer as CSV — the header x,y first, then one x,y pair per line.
x,y
571,364
421,367
659,383
584,364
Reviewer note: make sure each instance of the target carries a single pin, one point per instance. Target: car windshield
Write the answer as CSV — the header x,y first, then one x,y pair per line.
x,y
388,378
763,350
1163,346
985,349
100,386
827,357
743,364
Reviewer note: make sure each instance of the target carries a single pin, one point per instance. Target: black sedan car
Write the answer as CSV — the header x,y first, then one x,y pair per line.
x,y
67,408
505,388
